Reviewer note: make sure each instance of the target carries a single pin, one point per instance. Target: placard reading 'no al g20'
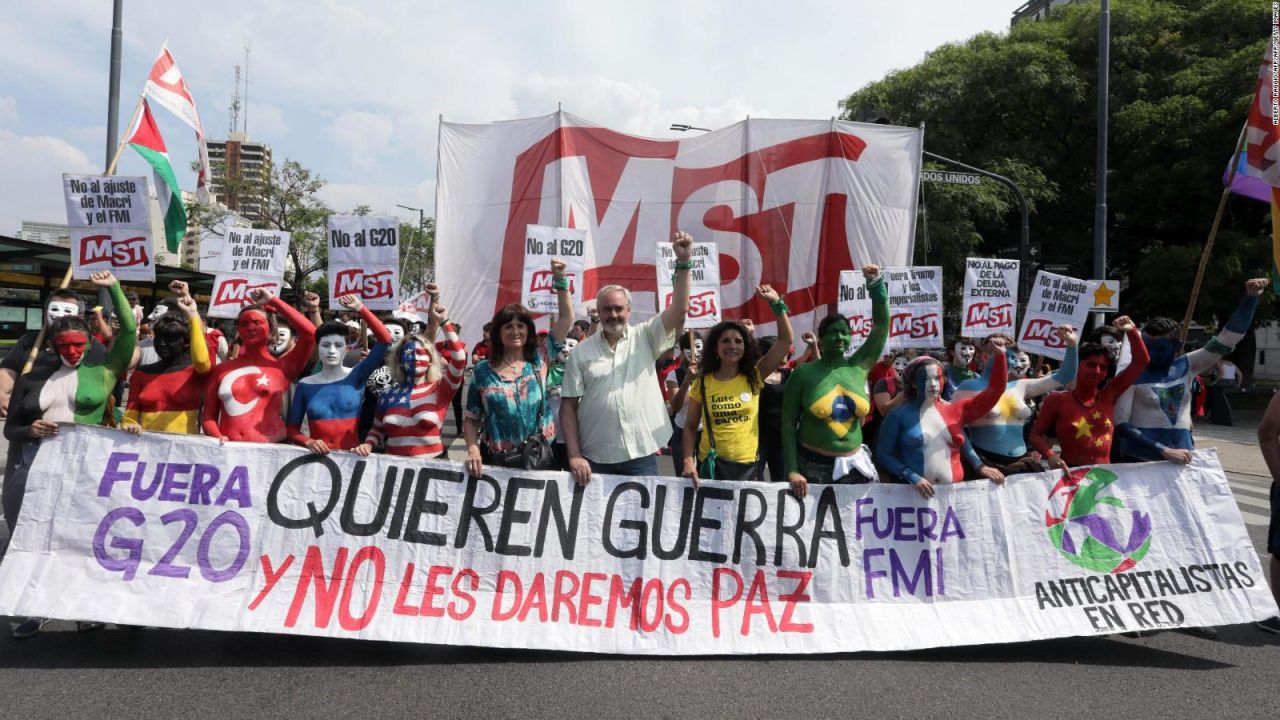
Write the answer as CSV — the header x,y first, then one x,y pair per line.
x,y
364,259
855,304
109,219
705,306
542,243
250,259
178,531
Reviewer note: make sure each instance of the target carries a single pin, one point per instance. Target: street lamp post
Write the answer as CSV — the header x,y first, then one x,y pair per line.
x,y
681,127
1024,242
422,226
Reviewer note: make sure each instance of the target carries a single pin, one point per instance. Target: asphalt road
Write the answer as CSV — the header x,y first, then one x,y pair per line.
x,y
113,673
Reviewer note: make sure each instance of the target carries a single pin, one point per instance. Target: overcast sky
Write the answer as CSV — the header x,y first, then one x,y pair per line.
x,y
353,89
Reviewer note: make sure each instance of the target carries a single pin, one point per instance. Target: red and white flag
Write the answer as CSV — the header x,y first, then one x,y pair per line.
x,y
167,88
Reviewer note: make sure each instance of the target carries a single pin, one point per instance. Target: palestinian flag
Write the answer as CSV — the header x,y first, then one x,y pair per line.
x,y
145,138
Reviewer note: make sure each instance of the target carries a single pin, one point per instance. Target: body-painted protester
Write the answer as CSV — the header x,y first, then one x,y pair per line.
x,y
380,378
60,303
960,356
923,440
611,408
509,395
1083,418
74,391
425,375
825,400
1155,415
999,436
727,396
244,395
166,394
330,400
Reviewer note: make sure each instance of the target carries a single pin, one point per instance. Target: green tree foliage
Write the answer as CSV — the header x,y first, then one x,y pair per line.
x,y
417,255
288,195
1023,104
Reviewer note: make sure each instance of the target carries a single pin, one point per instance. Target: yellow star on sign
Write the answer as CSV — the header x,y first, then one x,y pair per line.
x,y
1102,296
1083,428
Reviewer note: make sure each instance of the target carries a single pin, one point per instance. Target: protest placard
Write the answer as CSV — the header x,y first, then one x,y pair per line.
x,y
364,259
179,531
1055,300
212,240
855,304
915,307
109,221
704,280
250,259
542,243
990,298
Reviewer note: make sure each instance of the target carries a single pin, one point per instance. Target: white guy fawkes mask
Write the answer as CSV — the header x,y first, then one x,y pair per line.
x,y
60,308
1020,369
963,353
1111,344
697,350
900,363
397,332
282,338
157,312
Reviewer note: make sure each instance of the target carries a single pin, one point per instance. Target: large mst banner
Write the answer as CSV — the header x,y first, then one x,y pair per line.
x,y
176,531
790,203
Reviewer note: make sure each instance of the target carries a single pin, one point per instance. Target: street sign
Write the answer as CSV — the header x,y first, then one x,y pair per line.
x,y
1105,296
952,178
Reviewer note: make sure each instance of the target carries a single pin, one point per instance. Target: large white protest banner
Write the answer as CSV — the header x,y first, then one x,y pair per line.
x,y
915,307
855,304
364,259
990,298
250,259
212,240
109,219
704,283
178,531
542,244
789,202
1055,300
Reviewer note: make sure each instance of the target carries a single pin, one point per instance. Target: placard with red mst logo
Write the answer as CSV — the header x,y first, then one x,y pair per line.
x,y
915,307
1055,299
364,260
110,226
704,296
250,259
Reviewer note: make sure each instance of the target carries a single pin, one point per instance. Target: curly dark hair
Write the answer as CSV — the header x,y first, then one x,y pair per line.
x,y
332,327
830,320
514,311
1090,349
65,323
750,353
1160,326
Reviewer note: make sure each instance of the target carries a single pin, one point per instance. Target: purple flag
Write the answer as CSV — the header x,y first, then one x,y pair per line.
x,y
1244,183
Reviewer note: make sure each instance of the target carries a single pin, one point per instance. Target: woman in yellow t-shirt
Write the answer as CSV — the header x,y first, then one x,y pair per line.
x,y
726,396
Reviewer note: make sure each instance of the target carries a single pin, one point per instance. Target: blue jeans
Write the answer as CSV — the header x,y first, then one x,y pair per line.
x,y
647,465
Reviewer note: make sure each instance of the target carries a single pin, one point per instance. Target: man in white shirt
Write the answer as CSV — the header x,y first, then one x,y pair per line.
x,y
611,410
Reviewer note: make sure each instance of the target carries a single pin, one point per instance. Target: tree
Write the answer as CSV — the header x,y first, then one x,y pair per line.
x,y
417,255
1023,104
287,197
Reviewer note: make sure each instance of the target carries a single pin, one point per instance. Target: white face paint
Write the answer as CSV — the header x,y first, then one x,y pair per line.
x,y
331,350
963,353
1111,344
282,338
60,308
397,332
697,350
